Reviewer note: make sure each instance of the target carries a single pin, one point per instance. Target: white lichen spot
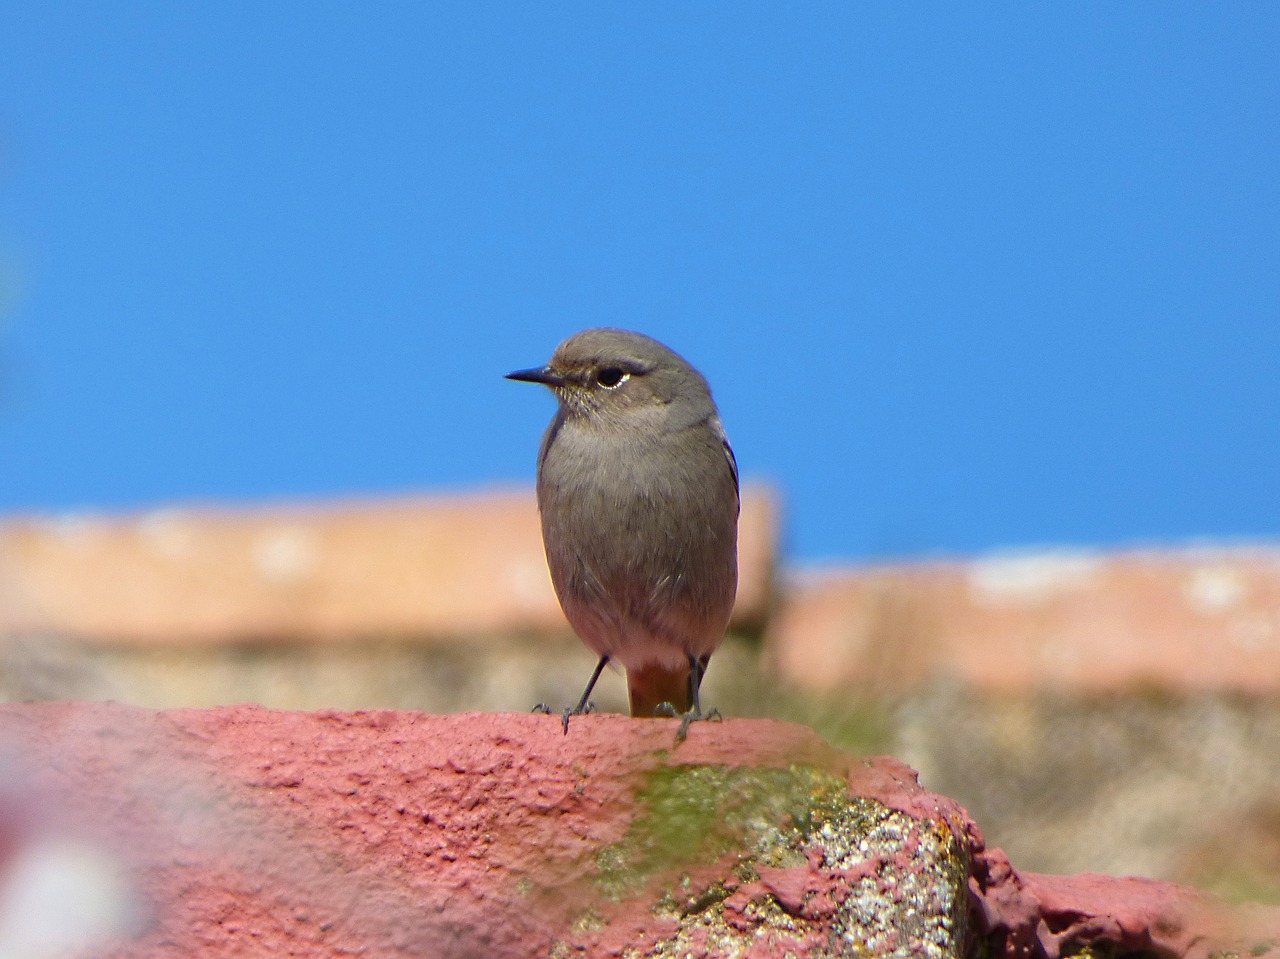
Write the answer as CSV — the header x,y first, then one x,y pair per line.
x,y
1026,579
76,529
1214,589
167,532
285,555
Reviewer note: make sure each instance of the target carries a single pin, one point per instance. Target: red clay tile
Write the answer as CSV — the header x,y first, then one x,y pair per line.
x,y
438,566
1071,622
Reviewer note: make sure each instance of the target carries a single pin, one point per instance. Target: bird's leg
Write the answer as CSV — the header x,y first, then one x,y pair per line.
x,y
711,713
584,704
697,669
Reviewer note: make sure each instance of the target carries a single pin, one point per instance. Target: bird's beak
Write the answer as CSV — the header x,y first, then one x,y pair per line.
x,y
542,374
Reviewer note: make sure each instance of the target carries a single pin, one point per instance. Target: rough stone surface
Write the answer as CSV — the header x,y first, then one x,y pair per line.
x,y
434,567
1194,619
1089,914
241,831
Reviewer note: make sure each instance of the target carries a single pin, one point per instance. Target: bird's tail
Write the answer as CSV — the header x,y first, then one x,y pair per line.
x,y
650,686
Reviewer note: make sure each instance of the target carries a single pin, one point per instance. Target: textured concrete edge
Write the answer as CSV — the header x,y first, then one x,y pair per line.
x,y
750,830
1026,914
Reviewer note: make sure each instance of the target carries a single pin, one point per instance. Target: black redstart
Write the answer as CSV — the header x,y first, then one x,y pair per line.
x,y
638,493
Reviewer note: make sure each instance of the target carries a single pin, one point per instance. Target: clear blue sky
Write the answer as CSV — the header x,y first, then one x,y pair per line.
x,y
961,278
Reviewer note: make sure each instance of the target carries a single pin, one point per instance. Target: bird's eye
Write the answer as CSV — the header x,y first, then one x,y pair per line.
x,y
611,376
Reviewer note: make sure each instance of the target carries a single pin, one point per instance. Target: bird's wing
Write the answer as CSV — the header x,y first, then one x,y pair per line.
x,y
718,429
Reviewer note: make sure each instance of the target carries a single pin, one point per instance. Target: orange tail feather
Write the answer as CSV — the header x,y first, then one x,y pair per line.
x,y
650,686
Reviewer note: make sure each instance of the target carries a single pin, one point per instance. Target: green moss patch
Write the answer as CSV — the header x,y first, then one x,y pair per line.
x,y
695,815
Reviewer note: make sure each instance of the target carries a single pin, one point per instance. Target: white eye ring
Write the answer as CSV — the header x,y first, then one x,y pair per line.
x,y
611,377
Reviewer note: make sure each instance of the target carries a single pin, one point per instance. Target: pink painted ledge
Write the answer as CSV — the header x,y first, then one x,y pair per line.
x,y
241,831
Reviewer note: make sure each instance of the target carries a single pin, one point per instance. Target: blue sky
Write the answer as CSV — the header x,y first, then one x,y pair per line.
x,y
961,277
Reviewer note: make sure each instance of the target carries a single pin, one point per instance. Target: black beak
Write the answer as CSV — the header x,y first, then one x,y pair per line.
x,y
542,374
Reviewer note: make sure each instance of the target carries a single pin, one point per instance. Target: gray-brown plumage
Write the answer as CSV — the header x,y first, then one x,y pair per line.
x,y
638,493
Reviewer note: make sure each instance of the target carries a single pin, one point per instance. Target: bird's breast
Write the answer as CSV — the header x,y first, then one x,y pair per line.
x,y
641,530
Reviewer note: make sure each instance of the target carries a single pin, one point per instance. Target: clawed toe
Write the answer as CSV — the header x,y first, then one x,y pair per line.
x,y
694,715
580,710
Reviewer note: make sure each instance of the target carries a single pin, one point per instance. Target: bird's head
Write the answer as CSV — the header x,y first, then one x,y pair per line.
x,y
617,377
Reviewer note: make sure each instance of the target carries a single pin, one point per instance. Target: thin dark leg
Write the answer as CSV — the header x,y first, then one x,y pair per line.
x,y
697,669
584,704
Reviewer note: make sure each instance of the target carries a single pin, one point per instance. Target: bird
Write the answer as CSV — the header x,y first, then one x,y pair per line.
x,y
638,495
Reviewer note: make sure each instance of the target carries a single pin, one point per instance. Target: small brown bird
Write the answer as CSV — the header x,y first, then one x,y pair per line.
x,y
638,493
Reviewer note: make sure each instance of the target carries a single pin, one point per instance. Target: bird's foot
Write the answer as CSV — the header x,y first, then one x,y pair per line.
x,y
580,710
712,715
668,711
